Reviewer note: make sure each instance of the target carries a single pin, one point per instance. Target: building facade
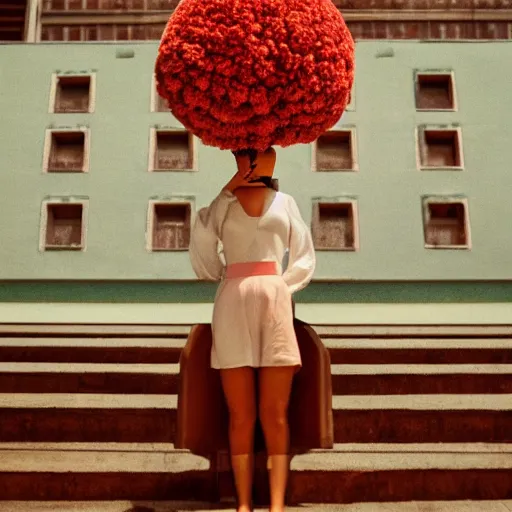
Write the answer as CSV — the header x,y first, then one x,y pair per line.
x,y
101,183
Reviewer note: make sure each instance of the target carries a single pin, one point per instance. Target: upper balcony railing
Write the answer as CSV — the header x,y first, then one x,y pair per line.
x,y
122,20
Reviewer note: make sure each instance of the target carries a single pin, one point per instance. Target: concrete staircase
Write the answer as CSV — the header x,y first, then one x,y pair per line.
x,y
420,413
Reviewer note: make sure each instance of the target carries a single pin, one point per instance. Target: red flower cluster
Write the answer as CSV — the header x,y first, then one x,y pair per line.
x,y
256,73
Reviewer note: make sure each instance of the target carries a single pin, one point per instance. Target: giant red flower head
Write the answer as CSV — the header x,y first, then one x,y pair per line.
x,y
256,73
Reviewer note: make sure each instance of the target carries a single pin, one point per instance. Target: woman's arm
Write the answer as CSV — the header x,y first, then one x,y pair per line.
x,y
204,239
302,259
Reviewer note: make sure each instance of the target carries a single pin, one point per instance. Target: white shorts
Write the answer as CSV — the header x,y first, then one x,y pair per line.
x,y
253,324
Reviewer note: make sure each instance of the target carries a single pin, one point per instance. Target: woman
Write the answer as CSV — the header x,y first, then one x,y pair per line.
x,y
250,226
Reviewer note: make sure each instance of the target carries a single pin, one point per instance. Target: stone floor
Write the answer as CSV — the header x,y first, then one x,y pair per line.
x,y
127,506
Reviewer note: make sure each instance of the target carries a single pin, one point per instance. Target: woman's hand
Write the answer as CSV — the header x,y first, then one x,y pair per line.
x,y
240,179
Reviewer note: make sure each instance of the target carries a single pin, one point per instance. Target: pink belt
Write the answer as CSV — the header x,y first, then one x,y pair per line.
x,y
251,268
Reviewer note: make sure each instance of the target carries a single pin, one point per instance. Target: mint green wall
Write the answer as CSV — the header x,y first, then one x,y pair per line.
x,y
388,186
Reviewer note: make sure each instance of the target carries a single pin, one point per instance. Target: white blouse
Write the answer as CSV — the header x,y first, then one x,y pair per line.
x,y
244,238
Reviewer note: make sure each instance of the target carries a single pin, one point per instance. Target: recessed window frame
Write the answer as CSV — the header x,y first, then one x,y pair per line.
x,y
421,146
436,199
155,99
150,222
353,146
92,91
153,148
63,201
48,146
453,90
353,202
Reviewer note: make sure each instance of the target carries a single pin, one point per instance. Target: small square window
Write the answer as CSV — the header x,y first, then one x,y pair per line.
x,y
72,94
435,91
170,226
172,151
67,151
446,224
335,151
440,149
335,226
63,226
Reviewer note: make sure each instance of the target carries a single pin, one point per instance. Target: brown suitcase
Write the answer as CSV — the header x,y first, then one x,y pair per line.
x,y
202,424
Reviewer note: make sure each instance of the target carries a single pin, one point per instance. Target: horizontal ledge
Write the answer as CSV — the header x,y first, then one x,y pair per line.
x,y
389,461
413,328
418,369
336,369
86,401
92,447
416,343
165,506
439,402
72,329
124,506
101,447
139,17
323,290
340,343
94,342
341,458
99,462
105,368
328,320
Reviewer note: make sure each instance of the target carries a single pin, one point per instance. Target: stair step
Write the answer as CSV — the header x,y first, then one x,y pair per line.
x,y
396,356
89,350
93,342
336,369
152,418
332,331
88,401
409,384
346,473
342,350
425,402
77,368
382,402
71,354
163,457
98,458
173,506
370,457
103,330
417,369
387,343
119,383
164,378
419,350
415,330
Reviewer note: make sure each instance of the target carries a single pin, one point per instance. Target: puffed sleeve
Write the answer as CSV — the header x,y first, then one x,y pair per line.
x,y
204,239
301,260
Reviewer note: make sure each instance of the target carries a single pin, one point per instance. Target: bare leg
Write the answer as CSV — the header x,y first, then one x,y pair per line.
x,y
239,389
275,384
